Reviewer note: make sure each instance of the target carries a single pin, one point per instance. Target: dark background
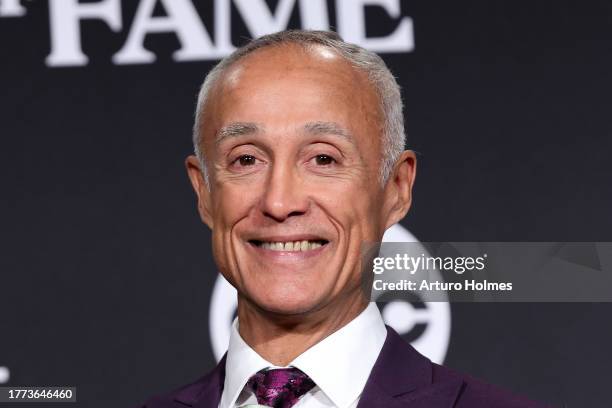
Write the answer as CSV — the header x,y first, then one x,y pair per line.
x,y
105,269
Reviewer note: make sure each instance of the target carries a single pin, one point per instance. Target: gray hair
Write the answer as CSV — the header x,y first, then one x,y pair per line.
x,y
393,138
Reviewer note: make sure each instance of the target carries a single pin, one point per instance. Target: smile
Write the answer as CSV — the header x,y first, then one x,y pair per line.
x,y
290,246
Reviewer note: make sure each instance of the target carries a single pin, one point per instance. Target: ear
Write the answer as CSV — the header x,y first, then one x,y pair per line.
x,y
196,175
398,190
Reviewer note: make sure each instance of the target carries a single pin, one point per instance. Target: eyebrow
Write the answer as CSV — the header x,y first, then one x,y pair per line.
x,y
312,128
328,128
236,129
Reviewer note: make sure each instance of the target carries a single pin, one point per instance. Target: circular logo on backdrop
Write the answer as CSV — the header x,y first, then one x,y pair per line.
x,y
426,325
4,375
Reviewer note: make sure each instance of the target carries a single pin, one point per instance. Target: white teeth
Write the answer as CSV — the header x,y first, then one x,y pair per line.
x,y
291,246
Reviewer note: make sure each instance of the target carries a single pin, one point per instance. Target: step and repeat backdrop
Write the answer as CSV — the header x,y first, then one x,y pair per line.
x,y
106,277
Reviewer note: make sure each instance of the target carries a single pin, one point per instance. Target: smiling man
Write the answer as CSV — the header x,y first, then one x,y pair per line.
x,y
300,159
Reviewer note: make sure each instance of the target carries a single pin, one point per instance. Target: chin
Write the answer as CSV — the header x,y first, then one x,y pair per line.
x,y
284,302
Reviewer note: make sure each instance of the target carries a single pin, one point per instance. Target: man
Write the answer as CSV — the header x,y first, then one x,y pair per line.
x,y
300,159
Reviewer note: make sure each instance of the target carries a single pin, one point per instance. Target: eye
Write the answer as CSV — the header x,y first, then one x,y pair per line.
x,y
324,160
246,160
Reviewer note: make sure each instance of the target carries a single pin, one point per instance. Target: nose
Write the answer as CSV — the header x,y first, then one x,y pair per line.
x,y
284,194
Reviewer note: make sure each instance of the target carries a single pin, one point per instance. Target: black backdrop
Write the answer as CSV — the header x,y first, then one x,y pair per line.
x,y
105,269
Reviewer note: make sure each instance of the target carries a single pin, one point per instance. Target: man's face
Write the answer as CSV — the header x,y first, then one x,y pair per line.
x,y
292,139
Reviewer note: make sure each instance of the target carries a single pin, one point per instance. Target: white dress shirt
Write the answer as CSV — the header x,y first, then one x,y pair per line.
x,y
340,364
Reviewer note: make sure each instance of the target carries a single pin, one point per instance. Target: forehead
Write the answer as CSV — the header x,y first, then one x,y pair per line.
x,y
292,83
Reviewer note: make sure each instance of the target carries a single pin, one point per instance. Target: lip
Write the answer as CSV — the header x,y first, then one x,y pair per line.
x,y
287,238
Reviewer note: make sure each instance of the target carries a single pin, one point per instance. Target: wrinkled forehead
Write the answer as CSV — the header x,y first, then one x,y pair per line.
x,y
305,69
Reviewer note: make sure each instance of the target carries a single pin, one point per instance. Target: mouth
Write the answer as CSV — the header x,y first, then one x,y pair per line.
x,y
289,246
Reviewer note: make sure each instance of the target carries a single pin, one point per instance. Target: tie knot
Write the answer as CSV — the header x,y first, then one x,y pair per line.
x,y
280,388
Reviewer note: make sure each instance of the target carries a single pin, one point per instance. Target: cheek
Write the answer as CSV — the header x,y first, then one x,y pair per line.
x,y
231,203
352,205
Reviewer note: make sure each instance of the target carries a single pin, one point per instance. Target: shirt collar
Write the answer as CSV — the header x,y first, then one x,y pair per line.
x,y
339,365
240,364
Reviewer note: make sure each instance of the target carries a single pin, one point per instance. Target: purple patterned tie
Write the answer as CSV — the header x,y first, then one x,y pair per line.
x,y
281,387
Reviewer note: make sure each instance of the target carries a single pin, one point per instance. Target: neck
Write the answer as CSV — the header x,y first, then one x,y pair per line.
x,y
280,338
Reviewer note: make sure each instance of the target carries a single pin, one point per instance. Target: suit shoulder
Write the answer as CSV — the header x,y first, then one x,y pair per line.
x,y
176,397
206,388
477,393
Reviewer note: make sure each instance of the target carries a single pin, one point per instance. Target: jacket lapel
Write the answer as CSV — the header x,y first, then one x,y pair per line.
x,y
206,392
401,377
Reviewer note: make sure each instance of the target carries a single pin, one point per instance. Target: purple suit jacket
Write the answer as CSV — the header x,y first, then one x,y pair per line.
x,y
401,378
